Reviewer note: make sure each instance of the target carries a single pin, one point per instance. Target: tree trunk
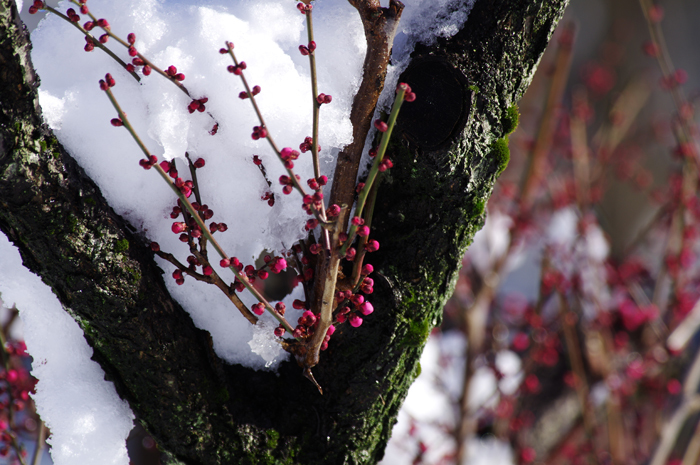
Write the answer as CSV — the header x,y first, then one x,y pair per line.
x,y
448,152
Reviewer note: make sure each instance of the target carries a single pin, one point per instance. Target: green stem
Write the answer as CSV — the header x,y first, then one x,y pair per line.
x,y
362,198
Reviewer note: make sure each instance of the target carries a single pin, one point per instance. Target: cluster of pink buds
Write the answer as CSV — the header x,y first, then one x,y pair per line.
x,y
288,155
306,145
172,72
408,95
255,91
287,182
73,16
197,105
307,49
36,6
259,132
137,61
303,8
324,98
237,69
316,183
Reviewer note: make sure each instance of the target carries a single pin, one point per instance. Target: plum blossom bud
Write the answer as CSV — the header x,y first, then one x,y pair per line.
x,y
363,231
366,308
333,210
367,269
323,179
131,38
199,163
330,331
258,308
110,80
372,246
225,263
279,331
355,321
281,308
89,26
357,221
304,50
256,90
178,227
380,125
103,23
104,38
208,270
146,70
312,46
116,122
155,246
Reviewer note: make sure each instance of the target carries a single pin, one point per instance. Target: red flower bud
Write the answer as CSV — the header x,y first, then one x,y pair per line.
x,y
89,26
155,246
102,23
258,308
355,321
225,263
103,85
256,90
208,270
131,38
380,125
146,70
199,163
104,38
281,308
116,122
132,51
312,46
304,50
178,227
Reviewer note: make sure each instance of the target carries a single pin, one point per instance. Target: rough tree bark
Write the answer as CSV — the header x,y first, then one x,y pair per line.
x,y
201,410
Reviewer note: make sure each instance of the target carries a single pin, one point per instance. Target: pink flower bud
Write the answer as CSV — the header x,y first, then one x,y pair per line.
x,y
84,9
223,51
357,221
258,308
333,210
199,163
380,125
357,299
355,321
131,38
102,23
323,179
225,263
409,97
172,70
298,304
367,269
366,308
132,51
208,270
321,98
403,86
110,80
103,85
104,38
130,68
363,231
304,50
116,122
331,330
89,26
155,246
262,274
256,90
281,308
279,331
146,70
372,246
178,227
312,46
350,254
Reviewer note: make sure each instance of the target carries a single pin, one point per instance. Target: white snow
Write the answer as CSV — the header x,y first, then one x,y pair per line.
x,y
89,422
